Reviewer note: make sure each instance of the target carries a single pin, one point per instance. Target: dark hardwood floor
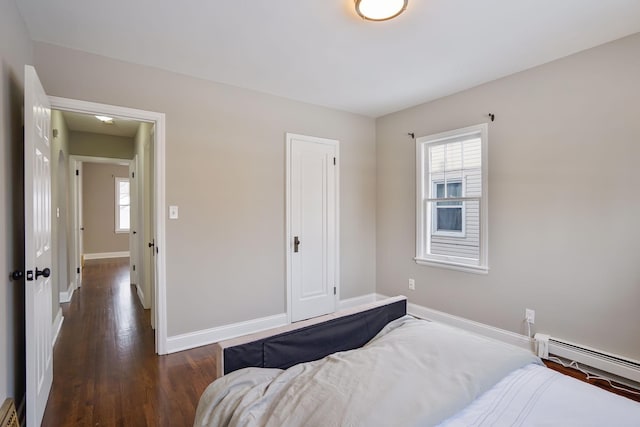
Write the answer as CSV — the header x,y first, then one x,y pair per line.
x,y
106,372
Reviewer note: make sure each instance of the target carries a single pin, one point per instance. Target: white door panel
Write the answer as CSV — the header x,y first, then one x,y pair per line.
x,y
134,263
312,213
38,293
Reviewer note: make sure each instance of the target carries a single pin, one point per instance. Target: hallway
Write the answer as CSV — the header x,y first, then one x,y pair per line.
x,y
106,372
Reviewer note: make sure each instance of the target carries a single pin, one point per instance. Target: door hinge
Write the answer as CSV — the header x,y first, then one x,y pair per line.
x,y
78,270
133,174
134,267
334,161
334,290
30,275
77,172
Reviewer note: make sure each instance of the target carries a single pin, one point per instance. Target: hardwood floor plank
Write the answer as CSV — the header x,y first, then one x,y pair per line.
x,y
106,372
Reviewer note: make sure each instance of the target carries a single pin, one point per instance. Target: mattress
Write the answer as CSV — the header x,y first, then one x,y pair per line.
x,y
538,396
414,372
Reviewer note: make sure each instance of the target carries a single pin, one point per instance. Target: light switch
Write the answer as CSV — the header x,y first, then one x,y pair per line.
x,y
173,212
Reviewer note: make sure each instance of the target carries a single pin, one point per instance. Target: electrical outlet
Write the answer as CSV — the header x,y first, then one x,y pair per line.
x,y
412,284
530,315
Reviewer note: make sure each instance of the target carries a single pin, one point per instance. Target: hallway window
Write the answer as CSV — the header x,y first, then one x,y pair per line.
x,y
123,205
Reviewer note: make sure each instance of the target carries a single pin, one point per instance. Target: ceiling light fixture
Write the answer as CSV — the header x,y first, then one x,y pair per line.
x,y
380,10
105,119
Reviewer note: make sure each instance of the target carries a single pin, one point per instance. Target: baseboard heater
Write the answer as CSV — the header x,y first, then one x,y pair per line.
x,y
607,362
8,415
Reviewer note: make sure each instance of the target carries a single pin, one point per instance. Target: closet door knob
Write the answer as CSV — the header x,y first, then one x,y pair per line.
x,y
45,273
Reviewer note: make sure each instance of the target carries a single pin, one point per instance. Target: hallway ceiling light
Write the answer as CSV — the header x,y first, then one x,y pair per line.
x,y
380,10
105,119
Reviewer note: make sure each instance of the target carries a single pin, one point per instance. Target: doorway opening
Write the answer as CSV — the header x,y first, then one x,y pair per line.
x,y
124,152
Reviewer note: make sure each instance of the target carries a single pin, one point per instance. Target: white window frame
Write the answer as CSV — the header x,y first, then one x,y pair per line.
x,y
424,217
449,233
119,228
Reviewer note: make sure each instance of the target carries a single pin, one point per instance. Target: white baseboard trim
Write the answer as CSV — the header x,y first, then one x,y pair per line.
x,y
140,295
105,255
65,296
352,302
57,325
605,363
468,325
209,336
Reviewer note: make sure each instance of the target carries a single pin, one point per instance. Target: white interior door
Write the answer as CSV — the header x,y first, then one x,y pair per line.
x,y
76,179
134,226
37,211
149,228
312,251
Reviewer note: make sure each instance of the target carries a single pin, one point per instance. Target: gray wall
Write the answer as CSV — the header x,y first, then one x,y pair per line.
x,y
98,208
225,169
564,234
99,145
16,50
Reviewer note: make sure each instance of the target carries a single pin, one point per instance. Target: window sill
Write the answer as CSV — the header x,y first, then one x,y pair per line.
x,y
476,269
122,231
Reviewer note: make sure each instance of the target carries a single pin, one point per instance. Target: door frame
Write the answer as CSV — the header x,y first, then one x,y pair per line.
x,y
289,137
159,120
76,162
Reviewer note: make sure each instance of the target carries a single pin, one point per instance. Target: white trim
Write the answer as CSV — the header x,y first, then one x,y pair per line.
x,y
65,296
208,336
140,295
467,268
103,160
581,353
159,119
424,215
355,301
57,325
104,255
509,337
160,294
288,226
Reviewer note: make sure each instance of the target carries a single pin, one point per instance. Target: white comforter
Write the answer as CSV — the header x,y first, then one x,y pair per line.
x,y
537,396
412,373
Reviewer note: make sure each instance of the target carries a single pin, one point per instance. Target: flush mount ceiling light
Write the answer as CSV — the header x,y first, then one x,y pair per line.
x,y
106,120
380,10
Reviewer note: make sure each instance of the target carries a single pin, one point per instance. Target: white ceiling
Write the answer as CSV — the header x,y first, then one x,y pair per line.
x,y
80,122
321,52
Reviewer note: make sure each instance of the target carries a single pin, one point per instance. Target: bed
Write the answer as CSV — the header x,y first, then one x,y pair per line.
x,y
376,366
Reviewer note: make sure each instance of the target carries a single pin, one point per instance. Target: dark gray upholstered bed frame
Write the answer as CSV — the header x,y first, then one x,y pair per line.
x,y
309,340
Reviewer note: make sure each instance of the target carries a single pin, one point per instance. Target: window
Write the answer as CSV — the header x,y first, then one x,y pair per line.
x,y
123,205
448,216
451,205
